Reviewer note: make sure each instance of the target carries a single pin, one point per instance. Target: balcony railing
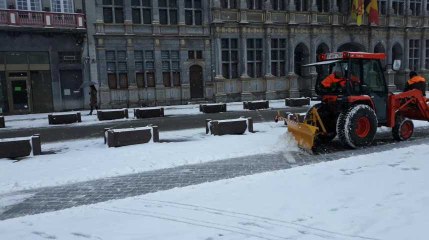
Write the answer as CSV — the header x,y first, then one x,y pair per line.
x,y
41,19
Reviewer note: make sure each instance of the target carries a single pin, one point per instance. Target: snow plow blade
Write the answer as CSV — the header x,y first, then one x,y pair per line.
x,y
303,133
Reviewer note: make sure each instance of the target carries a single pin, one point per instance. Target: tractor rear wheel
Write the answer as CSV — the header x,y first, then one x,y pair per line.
x,y
403,129
357,126
326,117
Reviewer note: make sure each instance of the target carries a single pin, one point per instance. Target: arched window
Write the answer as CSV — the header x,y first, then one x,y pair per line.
x,y
63,6
232,4
397,53
2,4
416,6
29,5
323,5
301,55
279,5
254,4
301,5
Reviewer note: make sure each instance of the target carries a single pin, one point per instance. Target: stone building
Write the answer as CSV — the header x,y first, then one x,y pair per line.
x,y
41,43
156,52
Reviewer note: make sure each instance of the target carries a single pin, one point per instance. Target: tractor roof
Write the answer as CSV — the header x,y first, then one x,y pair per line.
x,y
351,55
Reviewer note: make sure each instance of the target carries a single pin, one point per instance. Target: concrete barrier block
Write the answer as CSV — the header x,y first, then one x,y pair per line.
x,y
104,115
2,122
255,105
64,118
213,108
20,147
297,102
230,126
131,136
148,112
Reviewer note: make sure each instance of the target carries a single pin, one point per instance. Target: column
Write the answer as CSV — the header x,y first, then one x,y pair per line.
x,y
422,52
390,73
159,88
181,12
314,11
334,10
243,13
184,73
408,13
133,94
313,58
218,56
267,54
155,12
243,53
128,18
293,78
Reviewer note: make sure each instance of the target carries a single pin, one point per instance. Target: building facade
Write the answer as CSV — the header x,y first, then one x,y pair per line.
x,y
161,52
41,43
149,52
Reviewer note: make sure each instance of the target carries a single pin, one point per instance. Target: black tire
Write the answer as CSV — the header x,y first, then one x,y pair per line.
x,y
357,126
327,119
403,129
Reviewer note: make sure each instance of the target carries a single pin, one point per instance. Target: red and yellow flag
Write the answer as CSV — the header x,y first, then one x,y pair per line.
x,y
357,11
372,11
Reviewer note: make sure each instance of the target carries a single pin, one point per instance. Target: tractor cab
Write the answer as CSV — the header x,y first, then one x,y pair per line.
x,y
356,75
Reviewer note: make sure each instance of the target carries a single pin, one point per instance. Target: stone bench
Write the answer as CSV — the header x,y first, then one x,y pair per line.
x,y
130,136
20,147
230,126
104,115
148,112
66,118
213,108
297,102
2,123
255,105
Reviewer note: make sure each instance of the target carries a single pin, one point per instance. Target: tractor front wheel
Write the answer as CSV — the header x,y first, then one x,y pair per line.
x,y
403,129
357,126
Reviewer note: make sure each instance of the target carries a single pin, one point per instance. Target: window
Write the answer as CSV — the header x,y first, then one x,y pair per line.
x,y
141,11
323,5
231,4
382,7
415,6
279,5
193,12
373,78
63,6
195,54
145,68
254,58
170,68
69,57
117,70
414,54
113,11
278,57
427,55
301,6
254,4
3,4
230,58
168,12
398,7
29,5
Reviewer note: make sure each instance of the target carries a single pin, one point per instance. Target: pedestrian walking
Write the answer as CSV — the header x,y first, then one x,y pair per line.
x,y
93,99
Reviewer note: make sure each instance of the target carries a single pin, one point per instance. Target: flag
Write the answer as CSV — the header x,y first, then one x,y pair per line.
x,y
357,11
372,11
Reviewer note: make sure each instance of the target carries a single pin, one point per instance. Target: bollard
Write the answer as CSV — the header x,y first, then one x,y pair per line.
x,y
36,144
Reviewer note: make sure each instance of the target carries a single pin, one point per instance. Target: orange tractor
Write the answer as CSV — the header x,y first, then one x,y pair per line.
x,y
354,107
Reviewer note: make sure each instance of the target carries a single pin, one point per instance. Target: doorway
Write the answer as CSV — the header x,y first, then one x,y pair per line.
x,y
19,92
196,80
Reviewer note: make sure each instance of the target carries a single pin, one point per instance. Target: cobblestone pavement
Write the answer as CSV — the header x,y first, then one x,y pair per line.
x,y
61,197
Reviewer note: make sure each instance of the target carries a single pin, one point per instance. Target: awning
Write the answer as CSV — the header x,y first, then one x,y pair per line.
x,y
322,63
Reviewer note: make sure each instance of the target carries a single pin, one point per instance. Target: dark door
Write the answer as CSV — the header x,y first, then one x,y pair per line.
x,y
19,92
19,95
72,96
41,84
196,80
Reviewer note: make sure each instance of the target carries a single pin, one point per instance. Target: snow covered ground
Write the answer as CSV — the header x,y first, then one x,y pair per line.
x,y
377,196
41,119
88,159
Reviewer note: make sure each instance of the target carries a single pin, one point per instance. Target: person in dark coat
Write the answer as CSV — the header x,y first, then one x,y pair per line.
x,y
416,82
93,99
